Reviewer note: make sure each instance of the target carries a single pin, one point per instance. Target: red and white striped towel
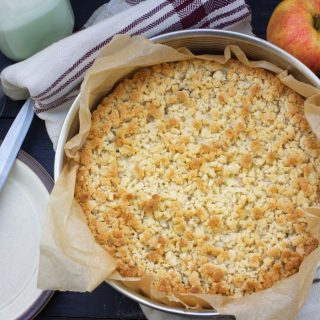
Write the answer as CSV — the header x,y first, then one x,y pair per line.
x,y
52,76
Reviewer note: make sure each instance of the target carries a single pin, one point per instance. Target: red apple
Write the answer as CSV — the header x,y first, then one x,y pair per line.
x,y
295,27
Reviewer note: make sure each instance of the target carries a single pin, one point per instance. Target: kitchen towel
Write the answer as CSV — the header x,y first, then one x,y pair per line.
x,y
52,77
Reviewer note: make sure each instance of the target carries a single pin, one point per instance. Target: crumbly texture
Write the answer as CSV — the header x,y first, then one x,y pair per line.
x,y
196,172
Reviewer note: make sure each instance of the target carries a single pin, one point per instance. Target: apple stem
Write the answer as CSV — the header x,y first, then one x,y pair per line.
x,y
316,22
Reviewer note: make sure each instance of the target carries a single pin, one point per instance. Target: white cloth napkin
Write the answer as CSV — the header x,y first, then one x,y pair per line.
x,y
310,310
52,76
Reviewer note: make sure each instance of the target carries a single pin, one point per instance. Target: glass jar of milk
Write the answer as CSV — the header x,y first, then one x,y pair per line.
x,y
27,26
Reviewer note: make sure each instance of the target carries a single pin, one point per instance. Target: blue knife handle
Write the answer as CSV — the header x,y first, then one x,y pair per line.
x,y
13,140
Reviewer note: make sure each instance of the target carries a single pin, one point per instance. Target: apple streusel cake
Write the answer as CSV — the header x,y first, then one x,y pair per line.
x,y
195,173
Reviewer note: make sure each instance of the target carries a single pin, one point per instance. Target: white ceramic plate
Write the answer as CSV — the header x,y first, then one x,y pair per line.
x,y
23,201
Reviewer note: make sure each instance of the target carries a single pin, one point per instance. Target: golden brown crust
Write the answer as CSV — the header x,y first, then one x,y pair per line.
x,y
194,172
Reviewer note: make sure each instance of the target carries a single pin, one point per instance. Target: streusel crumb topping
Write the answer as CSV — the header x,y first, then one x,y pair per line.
x,y
196,173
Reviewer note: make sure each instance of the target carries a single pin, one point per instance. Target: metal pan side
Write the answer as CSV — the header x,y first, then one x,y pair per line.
x,y
200,41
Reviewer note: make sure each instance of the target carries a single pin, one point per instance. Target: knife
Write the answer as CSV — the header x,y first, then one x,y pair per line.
x,y
13,140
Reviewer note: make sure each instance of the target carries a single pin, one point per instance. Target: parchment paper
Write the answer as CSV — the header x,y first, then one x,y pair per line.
x,y
70,259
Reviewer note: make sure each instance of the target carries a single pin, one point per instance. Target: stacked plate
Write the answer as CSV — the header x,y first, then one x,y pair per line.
x,y
23,201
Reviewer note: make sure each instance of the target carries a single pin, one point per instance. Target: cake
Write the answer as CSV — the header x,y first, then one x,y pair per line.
x,y
196,173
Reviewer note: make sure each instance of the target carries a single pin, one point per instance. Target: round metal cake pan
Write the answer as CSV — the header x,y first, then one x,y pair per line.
x,y
199,42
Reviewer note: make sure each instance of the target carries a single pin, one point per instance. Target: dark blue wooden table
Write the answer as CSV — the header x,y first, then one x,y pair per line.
x,y
104,302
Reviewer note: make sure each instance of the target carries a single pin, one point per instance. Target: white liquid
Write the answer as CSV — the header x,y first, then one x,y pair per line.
x,y
28,26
